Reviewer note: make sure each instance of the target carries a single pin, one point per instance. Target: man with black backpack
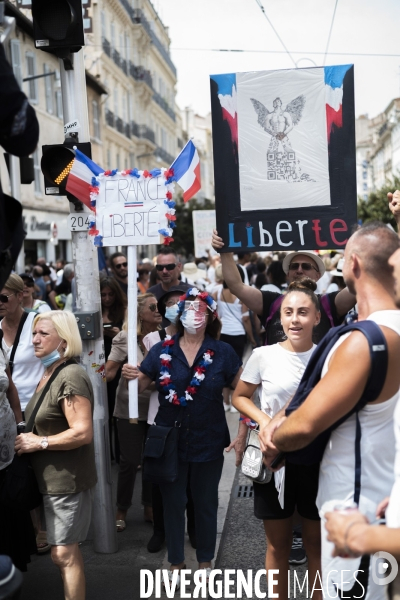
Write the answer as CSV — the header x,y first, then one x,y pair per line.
x,y
357,466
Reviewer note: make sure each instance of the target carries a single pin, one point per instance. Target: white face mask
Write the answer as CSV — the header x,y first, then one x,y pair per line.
x,y
193,320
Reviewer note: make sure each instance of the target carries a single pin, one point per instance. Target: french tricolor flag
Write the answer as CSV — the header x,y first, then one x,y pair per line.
x,y
187,171
334,96
80,177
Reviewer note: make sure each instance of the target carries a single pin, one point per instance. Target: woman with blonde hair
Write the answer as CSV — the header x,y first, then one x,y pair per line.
x,y
61,443
130,435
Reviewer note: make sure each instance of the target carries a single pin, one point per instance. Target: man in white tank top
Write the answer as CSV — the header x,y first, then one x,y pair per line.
x,y
368,275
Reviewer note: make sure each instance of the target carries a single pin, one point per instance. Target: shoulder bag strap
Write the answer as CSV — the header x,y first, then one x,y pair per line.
x,y
30,423
162,334
326,305
275,306
16,341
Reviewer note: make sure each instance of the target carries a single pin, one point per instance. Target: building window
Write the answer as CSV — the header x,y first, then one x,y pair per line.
x,y
31,72
113,36
116,108
103,25
96,119
365,186
125,108
48,87
365,196
118,167
108,158
37,172
163,139
127,48
16,60
59,106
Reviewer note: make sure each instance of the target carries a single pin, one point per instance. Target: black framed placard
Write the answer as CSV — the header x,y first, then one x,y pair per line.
x,y
284,158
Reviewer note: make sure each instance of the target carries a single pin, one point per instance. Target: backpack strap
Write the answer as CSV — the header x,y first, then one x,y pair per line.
x,y
326,305
273,309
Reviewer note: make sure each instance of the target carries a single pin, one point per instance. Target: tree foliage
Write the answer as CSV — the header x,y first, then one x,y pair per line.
x,y
377,205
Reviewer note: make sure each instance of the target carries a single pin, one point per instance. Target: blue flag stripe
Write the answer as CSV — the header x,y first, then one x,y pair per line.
x,y
182,162
96,170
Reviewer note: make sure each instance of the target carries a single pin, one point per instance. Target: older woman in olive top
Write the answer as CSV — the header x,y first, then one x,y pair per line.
x,y
61,445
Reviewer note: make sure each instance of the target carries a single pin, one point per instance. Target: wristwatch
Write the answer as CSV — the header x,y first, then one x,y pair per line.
x,y
44,442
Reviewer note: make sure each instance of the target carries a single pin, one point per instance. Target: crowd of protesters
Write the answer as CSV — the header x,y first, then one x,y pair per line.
x,y
266,310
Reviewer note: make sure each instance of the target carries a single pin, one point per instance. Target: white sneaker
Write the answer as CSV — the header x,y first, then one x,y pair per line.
x,y
233,409
208,573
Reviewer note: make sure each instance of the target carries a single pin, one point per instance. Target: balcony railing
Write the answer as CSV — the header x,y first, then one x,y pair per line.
x,y
127,130
124,65
110,118
139,18
135,129
147,133
106,47
120,125
141,74
164,155
116,57
164,105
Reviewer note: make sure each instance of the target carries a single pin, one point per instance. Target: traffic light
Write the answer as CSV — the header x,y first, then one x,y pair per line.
x,y
56,163
58,26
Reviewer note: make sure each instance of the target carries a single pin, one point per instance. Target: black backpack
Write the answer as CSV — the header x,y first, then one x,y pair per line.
x,y
313,453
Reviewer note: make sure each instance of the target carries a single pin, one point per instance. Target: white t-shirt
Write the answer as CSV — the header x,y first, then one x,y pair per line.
x,y
393,510
278,371
28,369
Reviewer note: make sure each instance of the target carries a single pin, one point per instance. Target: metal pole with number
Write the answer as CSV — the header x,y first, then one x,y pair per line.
x,y
73,87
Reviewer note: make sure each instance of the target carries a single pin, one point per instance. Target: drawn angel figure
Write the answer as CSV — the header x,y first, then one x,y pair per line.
x,y
281,159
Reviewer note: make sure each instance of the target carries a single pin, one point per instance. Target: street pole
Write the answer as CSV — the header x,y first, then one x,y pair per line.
x,y
74,99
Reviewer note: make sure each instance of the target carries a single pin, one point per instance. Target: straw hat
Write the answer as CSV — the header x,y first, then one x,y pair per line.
x,y
191,271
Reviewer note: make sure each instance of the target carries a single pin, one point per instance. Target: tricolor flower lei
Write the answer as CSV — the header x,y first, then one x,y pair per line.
x,y
165,377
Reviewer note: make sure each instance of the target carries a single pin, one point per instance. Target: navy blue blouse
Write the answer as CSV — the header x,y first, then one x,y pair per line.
x,y
204,432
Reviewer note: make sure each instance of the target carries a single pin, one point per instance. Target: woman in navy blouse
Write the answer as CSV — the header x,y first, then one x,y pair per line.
x,y
190,370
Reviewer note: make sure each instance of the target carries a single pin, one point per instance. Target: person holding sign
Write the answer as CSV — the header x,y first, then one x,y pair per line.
x,y
196,356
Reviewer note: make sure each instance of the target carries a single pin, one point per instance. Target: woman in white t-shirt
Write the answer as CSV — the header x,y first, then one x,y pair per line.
x,y
26,368
277,370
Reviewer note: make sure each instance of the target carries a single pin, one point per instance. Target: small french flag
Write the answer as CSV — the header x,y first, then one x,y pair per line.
x,y
80,177
187,171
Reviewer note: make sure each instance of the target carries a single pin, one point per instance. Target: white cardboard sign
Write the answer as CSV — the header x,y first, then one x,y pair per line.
x,y
203,225
131,210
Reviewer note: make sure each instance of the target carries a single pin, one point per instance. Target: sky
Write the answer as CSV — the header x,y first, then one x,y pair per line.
x,y
359,27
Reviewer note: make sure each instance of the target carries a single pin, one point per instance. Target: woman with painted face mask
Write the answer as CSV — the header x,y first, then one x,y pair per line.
x,y
197,366
168,308
61,443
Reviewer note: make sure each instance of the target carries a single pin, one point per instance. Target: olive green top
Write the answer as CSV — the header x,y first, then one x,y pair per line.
x,y
62,471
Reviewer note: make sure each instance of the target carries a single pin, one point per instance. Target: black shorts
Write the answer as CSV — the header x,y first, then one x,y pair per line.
x,y
238,342
301,487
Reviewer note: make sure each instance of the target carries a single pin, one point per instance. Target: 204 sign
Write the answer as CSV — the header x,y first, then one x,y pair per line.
x,y
79,221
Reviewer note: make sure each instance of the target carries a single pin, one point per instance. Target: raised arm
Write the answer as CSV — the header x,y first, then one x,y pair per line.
x,y
247,294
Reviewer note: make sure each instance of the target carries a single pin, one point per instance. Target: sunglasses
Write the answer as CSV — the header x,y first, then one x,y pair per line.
x,y
169,267
124,264
4,298
152,307
304,266
197,305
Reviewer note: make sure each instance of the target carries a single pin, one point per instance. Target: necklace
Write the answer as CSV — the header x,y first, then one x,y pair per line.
x,y
165,374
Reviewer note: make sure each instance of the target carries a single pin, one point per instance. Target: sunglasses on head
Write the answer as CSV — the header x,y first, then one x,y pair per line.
x,y
124,264
169,267
4,298
304,266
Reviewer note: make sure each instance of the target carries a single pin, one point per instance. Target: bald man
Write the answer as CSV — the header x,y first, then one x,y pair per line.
x,y
296,265
368,275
